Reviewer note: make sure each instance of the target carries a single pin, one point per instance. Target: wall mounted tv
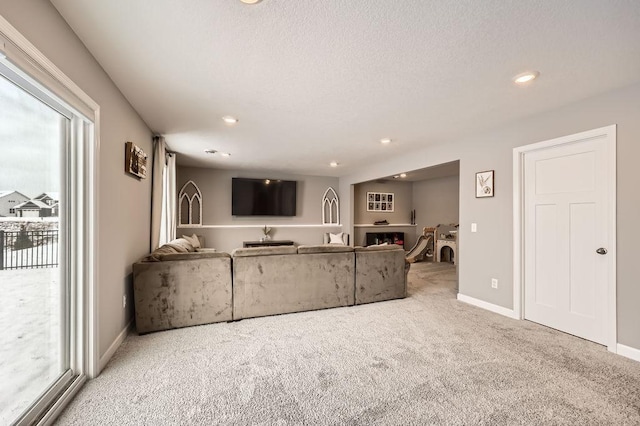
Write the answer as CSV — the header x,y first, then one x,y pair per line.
x,y
263,197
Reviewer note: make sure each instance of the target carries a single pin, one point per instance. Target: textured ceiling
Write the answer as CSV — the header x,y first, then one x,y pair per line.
x,y
314,81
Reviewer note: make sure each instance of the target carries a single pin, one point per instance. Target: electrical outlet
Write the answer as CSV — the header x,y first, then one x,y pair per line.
x,y
494,283
124,301
474,227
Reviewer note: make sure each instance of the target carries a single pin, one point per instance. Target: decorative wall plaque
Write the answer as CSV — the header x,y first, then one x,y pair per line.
x,y
135,160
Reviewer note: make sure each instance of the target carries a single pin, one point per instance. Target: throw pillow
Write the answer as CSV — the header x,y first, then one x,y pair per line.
x,y
181,245
193,240
336,238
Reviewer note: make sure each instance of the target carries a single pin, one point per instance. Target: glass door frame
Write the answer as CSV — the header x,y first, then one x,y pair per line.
x,y
80,228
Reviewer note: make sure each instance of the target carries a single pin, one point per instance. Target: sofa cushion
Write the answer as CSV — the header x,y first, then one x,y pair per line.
x,y
193,240
328,239
179,245
325,248
264,251
336,238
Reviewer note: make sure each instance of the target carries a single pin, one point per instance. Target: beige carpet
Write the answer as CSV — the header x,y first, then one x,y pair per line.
x,y
427,359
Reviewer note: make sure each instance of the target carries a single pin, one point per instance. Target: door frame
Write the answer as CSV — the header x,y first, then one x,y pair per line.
x,y
21,53
609,134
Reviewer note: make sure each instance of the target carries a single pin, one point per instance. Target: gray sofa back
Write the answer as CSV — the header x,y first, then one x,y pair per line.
x,y
381,273
184,289
277,280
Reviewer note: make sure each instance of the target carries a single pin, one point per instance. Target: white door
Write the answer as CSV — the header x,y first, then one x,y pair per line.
x,y
566,224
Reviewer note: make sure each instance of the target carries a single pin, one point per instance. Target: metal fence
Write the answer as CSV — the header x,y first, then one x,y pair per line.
x,y
28,249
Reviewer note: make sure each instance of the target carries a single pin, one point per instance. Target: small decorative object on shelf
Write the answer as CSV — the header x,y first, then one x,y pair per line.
x,y
413,217
266,231
381,222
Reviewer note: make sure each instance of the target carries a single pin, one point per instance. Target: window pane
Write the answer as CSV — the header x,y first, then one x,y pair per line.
x,y
34,349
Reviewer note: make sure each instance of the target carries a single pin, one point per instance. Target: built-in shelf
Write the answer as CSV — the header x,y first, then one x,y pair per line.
x,y
375,238
370,225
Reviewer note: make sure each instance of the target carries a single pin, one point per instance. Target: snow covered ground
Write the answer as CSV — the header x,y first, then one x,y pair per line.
x,y
30,339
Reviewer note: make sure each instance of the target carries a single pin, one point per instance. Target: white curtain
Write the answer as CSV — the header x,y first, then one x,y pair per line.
x,y
163,197
168,220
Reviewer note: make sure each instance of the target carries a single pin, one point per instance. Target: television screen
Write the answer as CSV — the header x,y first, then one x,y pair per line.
x,y
263,197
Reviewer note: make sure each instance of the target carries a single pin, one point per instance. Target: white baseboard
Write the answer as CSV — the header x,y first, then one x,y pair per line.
x,y
104,359
488,306
628,352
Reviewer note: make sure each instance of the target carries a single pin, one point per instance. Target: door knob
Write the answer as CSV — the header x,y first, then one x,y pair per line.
x,y
601,250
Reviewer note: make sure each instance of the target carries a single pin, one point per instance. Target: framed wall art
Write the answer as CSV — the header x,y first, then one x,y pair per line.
x,y
135,160
380,202
484,184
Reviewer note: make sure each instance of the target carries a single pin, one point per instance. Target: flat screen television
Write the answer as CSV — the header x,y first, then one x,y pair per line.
x,y
263,197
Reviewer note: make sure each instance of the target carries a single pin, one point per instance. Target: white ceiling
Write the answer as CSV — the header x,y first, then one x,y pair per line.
x,y
433,172
314,81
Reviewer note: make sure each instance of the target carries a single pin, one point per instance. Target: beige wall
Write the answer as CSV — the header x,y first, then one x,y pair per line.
x,y
230,231
436,201
124,202
489,252
400,215
402,205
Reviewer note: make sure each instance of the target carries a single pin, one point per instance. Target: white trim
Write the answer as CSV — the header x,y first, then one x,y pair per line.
x,y
488,306
302,225
518,241
93,295
609,133
369,225
628,352
52,414
13,36
104,359
48,75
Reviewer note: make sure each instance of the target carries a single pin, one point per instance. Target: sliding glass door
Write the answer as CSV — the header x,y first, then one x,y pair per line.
x,y
35,249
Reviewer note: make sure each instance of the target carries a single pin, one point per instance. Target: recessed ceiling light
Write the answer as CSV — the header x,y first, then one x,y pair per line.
x,y
250,1
213,152
229,119
333,164
403,175
396,176
385,141
525,77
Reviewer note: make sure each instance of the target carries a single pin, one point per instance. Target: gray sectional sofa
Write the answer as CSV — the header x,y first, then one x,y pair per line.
x,y
201,287
278,280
